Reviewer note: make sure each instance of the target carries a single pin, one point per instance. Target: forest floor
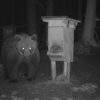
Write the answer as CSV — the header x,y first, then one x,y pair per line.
x,y
84,82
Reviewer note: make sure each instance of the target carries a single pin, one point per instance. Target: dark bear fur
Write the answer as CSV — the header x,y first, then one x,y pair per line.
x,y
12,58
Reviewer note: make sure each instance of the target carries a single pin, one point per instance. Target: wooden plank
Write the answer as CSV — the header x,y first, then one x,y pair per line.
x,y
68,72
53,69
65,69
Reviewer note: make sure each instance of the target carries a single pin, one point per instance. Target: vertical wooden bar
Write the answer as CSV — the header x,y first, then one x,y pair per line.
x,y
68,72
65,69
53,69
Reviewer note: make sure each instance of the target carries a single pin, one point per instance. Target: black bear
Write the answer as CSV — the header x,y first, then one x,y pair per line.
x,y
16,50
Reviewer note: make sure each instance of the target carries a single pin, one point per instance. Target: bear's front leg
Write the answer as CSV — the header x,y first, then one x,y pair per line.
x,y
13,71
31,72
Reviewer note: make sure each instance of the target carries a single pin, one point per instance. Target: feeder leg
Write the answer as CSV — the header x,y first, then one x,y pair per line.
x,y
68,71
53,69
65,69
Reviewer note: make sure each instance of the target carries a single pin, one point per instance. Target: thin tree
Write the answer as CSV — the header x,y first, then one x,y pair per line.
x,y
64,7
13,11
13,16
80,17
69,8
31,17
80,9
50,4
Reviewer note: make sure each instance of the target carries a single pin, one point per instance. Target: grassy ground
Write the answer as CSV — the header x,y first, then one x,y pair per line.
x,y
84,83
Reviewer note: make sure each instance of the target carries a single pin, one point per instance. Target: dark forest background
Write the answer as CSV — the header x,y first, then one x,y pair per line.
x,y
6,7
15,12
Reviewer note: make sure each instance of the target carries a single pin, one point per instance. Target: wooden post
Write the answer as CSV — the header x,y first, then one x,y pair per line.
x,y
65,69
53,69
68,72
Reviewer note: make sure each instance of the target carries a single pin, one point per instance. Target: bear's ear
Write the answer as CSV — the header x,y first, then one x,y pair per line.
x,y
34,37
18,37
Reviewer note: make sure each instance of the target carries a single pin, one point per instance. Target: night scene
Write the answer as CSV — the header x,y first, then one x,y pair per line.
x,y
49,50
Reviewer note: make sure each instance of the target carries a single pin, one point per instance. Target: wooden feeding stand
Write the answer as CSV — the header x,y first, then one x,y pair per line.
x,y
60,42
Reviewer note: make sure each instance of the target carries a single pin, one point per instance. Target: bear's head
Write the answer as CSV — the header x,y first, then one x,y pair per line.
x,y
26,45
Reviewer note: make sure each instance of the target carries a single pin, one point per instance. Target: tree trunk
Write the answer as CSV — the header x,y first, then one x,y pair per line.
x,y
50,5
13,11
80,17
31,17
87,41
80,9
89,25
64,7
69,8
